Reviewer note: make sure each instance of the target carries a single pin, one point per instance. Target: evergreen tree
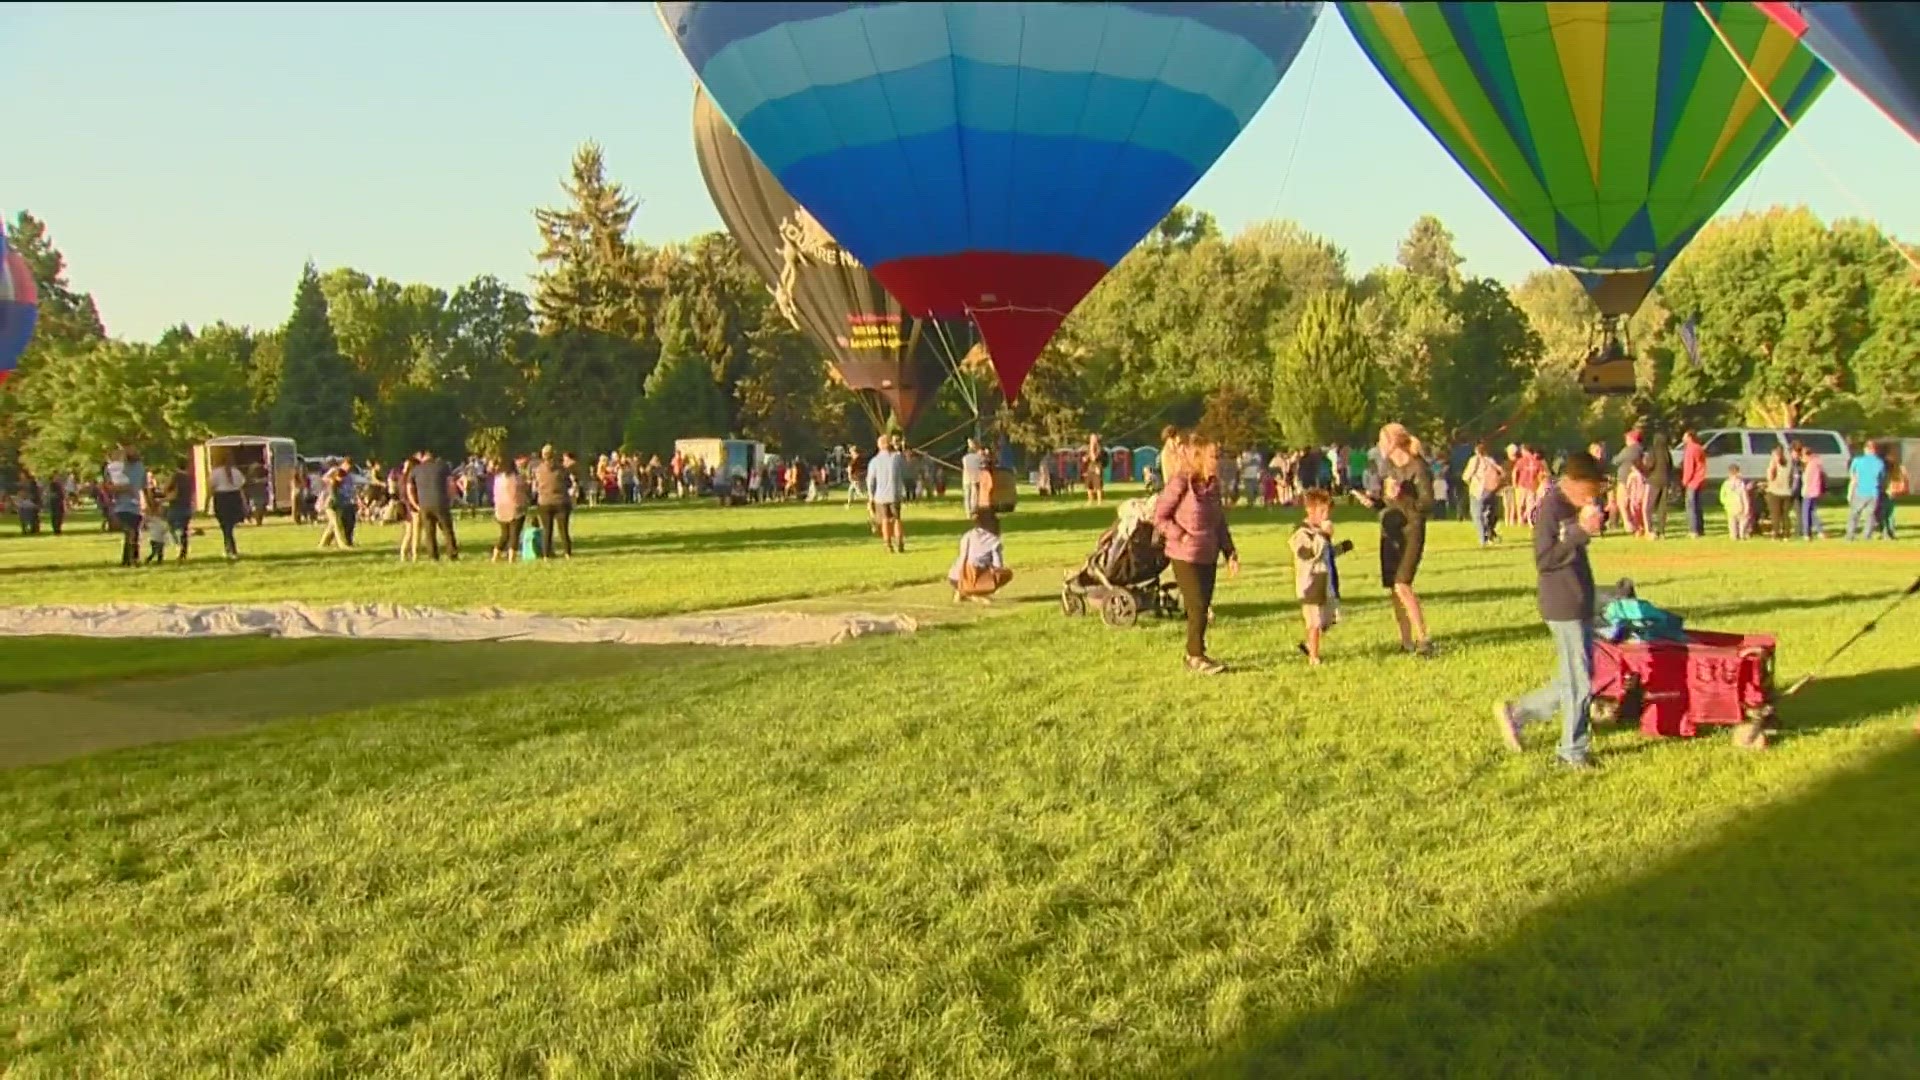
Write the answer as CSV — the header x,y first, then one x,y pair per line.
x,y
593,276
1324,377
315,393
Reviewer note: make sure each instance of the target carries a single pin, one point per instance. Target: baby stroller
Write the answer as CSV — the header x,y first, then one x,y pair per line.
x,y
1122,576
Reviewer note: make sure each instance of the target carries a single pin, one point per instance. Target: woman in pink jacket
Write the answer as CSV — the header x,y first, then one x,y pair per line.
x,y
1193,519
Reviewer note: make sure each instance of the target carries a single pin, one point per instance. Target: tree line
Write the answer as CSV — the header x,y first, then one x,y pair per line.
x,y
1265,337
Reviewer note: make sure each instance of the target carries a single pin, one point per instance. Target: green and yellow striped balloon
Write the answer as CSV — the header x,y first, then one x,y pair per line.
x,y
1608,132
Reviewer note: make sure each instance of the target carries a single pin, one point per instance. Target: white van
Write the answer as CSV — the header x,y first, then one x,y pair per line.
x,y
1751,448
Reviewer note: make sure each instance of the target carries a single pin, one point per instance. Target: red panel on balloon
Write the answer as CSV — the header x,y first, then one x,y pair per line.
x,y
1017,301
1785,16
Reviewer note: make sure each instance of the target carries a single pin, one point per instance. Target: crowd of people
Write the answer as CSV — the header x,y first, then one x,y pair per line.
x,y
1565,503
1190,516
1651,478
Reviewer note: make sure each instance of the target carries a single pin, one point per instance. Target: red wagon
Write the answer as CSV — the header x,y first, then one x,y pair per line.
x,y
1674,687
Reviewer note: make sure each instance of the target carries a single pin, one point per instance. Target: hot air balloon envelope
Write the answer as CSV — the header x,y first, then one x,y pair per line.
x,y
1608,132
875,347
19,307
991,159
1876,47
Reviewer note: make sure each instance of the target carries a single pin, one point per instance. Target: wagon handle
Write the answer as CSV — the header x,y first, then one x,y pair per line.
x,y
1872,625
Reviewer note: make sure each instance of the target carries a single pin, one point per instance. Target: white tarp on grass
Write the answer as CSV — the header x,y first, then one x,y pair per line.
x,y
392,621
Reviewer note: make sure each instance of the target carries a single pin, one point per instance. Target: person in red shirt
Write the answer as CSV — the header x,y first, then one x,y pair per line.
x,y
1526,481
1693,479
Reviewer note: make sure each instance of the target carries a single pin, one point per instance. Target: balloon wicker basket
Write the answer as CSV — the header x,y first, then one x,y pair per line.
x,y
1608,369
1609,377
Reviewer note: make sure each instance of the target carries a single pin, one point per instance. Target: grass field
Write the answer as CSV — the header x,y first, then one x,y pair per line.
x,y
1008,846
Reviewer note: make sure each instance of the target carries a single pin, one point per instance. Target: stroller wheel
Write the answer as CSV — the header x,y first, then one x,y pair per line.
x,y
1072,604
1120,609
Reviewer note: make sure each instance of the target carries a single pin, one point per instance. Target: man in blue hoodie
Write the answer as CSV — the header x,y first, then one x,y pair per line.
x,y
1568,517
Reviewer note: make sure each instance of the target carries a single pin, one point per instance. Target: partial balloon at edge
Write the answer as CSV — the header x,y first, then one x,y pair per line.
x,y
19,307
1608,133
1876,47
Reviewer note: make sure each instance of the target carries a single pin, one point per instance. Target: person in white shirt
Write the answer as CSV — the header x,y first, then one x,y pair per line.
x,y
154,528
1484,479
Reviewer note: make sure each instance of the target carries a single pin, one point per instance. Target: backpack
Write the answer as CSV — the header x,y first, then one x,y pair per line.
x,y
1632,617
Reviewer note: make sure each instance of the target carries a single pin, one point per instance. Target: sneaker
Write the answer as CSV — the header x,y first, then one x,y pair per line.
x,y
1582,764
1508,724
1205,665
1424,650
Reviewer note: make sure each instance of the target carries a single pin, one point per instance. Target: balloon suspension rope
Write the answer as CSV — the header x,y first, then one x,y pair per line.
x,y
938,460
1306,108
1760,87
1872,624
962,380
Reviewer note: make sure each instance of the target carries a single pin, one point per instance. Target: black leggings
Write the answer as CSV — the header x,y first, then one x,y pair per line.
x,y
1196,594
510,531
1657,509
556,519
229,509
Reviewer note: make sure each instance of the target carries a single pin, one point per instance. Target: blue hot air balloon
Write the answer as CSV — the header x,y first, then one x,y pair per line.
x,y
989,160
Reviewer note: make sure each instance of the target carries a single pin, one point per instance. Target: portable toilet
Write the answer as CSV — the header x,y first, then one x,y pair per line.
x,y
1144,458
1120,465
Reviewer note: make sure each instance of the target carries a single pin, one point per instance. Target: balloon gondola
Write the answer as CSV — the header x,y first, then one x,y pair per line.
x,y
1610,364
1609,133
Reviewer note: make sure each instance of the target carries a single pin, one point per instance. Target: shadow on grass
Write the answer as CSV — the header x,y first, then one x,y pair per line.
x,y
42,727
1848,700
1785,947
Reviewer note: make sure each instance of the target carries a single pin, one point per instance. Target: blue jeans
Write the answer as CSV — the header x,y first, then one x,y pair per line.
x,y
1696,514
1810,526
1569,692
1861,515
1486,515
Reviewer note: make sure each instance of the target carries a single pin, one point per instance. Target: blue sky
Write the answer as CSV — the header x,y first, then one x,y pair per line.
x,y
189,157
